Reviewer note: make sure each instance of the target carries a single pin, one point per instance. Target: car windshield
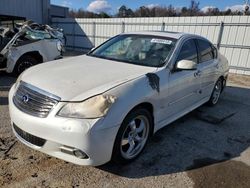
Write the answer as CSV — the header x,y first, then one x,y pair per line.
x,y
143,50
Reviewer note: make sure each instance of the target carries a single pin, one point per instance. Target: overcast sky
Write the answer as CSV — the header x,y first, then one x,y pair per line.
x,y
111,6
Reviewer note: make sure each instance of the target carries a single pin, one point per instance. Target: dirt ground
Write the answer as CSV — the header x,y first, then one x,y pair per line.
x,y
209,147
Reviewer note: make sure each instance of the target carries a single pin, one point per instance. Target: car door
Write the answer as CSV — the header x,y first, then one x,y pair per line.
x,y
184,85
208,65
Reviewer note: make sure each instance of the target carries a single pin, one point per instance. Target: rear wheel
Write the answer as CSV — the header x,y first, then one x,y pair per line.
x,y
24,63
216,93
132,136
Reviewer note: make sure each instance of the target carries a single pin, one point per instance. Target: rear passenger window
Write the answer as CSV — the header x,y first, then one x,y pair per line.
x,y
188,51
206,51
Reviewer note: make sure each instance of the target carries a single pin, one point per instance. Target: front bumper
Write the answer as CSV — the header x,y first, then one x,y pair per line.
x,y
89,136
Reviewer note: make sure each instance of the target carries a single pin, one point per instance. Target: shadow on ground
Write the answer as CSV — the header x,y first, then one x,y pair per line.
x,y
6,81
206,136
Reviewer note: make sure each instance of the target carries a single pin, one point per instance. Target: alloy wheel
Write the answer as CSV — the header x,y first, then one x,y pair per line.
x,y
217,92
134,137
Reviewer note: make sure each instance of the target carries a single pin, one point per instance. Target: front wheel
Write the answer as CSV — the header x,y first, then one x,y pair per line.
x,y
216,93
132,136
24,63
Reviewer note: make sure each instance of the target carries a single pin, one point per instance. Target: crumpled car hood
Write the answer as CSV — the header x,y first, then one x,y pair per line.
x,y
77,78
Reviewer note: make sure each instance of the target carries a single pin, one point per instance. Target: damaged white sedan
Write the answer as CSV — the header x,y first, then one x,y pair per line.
x,y
105,105
29,44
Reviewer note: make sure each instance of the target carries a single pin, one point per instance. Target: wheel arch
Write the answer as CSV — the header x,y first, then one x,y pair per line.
x,y
223,79
150,108
116,156
34,54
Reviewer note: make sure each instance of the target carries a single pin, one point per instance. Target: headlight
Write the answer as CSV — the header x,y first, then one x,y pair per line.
x,y
94,107
59,46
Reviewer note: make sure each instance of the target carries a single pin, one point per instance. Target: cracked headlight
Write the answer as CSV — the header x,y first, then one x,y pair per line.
x,y
91,108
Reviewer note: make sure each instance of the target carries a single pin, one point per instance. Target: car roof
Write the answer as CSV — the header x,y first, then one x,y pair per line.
x,y
175,35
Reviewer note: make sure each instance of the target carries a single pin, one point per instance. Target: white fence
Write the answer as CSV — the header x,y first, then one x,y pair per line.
x,y
230,33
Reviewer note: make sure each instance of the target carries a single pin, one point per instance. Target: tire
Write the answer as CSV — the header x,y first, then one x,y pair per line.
x,y
132,136
216,93
1,40
24,63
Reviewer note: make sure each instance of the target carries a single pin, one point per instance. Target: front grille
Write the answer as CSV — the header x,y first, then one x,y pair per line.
x,y
34,101
28,137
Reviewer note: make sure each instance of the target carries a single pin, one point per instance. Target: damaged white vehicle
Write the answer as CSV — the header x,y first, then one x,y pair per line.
x,y
29,44
105,105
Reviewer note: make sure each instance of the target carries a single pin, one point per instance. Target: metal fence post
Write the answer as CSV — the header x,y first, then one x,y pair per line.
x,y
74,37
163,26
220,35
93,33
123,27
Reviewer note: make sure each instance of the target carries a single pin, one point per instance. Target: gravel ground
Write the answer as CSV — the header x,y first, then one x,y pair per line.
x,y
209,147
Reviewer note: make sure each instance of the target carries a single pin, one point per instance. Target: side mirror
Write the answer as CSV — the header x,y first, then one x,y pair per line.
x,y
186,65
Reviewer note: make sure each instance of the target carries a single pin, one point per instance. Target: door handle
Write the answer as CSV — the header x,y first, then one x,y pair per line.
x,y
197,73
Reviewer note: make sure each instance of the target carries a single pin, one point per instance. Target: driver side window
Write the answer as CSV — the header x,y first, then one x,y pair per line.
x,y
188,51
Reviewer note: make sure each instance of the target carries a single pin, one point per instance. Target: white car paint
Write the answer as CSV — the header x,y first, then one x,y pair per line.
x,y
47,48
91,75
83,77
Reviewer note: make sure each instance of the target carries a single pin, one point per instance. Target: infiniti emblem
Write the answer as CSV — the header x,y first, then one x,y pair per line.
x,y
25,98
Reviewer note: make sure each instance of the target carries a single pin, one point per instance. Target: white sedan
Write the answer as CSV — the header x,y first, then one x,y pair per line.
x,y
106,104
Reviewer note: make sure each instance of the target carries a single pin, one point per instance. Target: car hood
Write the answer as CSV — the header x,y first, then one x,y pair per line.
x,y
77,78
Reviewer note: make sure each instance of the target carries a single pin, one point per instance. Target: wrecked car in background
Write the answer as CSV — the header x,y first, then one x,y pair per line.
x,y
29,44
105,105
